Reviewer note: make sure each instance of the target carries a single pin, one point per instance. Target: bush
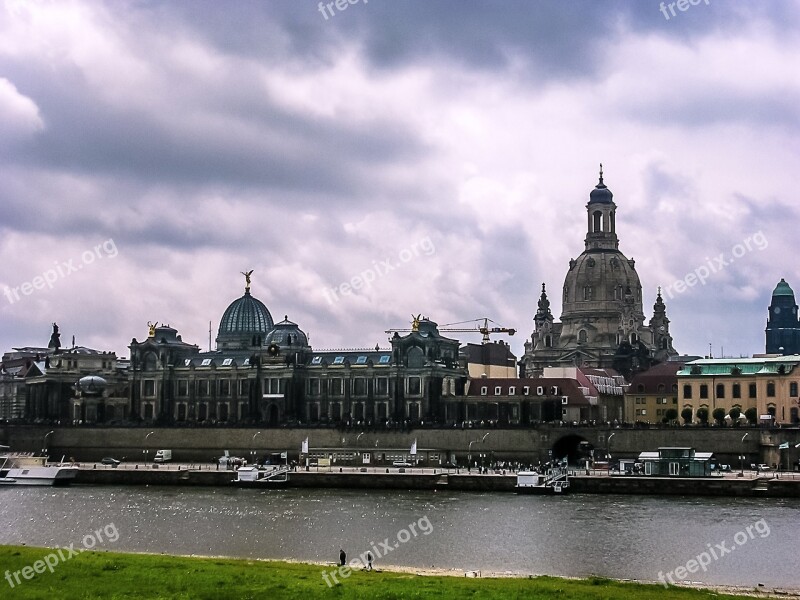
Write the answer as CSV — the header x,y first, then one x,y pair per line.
x,y
686,415
752,415
702,415
719,415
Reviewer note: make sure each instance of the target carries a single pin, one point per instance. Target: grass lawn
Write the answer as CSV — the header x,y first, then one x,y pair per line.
x,y
115,575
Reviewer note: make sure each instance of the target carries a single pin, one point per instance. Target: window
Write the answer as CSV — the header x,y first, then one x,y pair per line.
x,y
720,390
770,389
339,360
512,390
244,387
582,337
335,386
227,362
313,386
484,390
597,217
660,388
736,390
382,386
384,359
498,390
224,387
526,390
703,390
205,362
414,386
640,388
183,387
751,391
361,360
793,388
548,341
202,387
317,360
687,391
360,386
587,292
149,388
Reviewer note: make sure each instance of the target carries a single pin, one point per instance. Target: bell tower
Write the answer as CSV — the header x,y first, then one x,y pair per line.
x,y
601,212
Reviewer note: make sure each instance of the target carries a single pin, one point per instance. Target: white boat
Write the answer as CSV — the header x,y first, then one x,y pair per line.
x,y
255,477
552,481
26,469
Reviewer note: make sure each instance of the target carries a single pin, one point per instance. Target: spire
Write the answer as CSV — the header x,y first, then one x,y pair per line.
x,y
601,184
544,306
659,308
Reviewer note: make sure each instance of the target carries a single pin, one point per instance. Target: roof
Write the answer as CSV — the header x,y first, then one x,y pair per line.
x,y
549,387
245,316
663,374
353,357
746,366
783,289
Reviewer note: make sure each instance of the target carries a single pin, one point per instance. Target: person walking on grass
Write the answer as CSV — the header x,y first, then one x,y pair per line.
x,y
342,557
369,561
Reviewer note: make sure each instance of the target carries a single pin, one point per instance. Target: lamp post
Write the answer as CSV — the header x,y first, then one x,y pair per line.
x,y
608,449
146,449
741,457
253,449
44,442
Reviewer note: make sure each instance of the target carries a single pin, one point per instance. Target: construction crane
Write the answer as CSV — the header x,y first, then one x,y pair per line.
x,y
484,329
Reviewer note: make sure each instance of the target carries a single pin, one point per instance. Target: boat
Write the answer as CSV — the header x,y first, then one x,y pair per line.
x,y
255,477
553,481
19,468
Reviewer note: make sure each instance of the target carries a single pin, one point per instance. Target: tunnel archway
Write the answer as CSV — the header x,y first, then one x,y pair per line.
x,y
574,447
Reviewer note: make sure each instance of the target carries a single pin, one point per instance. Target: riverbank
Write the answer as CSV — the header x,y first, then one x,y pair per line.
x,y
750,485
120,576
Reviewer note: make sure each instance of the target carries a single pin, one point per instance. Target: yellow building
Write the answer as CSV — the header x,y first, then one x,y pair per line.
x,y
767,386
652,393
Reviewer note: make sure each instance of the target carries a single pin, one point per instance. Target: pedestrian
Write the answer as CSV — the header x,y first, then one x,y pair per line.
x,y
342,557
369,561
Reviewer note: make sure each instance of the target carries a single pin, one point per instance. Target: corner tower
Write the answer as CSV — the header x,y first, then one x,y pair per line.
x,y
783,327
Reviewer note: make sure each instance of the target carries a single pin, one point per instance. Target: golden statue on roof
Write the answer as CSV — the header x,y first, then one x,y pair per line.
x,y
247,279
415,322
152,327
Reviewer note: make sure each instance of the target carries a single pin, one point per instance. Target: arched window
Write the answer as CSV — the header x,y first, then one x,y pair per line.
x,y
661,388
548,341
611,216
634,339
582,337
597,221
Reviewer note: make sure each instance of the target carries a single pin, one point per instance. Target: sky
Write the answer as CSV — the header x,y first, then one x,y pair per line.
x,y
435,157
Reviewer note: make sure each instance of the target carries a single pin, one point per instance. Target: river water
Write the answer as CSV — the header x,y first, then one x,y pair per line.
x,y
627,537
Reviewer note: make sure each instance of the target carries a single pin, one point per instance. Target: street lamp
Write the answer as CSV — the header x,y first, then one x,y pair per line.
x,y
44,442
252,448
741,457
146,449
608,448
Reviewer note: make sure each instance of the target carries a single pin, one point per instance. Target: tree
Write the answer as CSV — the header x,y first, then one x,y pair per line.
x,y
686,415
702,415
735,413
751,414
719,415
671,415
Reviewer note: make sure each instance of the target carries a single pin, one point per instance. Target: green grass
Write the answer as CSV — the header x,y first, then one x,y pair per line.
x,y
135,576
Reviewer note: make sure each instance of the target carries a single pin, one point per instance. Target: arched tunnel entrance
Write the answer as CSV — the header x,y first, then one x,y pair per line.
x,y
574,447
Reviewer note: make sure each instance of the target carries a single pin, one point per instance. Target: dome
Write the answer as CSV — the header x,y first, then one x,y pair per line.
x,y
600,281
286,334
244,323
783,289
92,384
601,194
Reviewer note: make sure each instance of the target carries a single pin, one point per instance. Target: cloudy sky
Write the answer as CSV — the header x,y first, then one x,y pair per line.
x,y
150,151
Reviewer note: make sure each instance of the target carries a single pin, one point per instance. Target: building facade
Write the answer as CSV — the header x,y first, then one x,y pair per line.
x,y
762,390
602,319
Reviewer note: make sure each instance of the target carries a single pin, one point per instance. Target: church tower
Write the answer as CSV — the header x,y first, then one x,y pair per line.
x,y
602,318
783,328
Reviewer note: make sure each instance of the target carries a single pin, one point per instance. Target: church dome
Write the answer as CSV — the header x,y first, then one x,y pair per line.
x,y
783,289
601,194
601,280
244,323
286,334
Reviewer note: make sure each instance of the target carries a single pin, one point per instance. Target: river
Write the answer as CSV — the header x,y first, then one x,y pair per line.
x,y
626,537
